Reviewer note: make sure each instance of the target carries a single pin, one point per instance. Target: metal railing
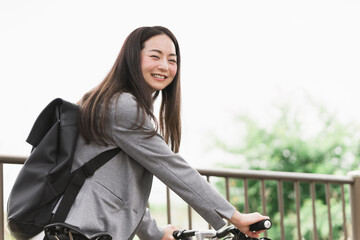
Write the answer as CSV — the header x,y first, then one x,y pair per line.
x,y
352,180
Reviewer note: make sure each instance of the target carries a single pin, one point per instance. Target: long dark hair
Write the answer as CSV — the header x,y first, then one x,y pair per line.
x,y
126,76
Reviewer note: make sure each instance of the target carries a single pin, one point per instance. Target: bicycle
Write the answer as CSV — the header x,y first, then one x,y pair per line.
x,y
224,234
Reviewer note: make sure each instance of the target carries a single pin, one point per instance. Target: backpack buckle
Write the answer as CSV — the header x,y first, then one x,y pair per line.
x,y
87,170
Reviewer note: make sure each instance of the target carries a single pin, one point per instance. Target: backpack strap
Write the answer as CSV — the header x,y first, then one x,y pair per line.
x,y
77,181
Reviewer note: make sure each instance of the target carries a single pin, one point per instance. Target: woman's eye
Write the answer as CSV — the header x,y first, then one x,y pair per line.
x,y
154,56
172,60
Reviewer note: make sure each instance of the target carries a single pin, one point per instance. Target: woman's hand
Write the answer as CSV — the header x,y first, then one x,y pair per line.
x,y
168,232
243,222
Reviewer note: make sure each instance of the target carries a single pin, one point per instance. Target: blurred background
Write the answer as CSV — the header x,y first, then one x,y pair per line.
x,y
283,69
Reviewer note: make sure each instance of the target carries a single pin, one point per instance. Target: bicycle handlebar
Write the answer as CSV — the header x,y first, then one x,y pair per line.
x,y
262,225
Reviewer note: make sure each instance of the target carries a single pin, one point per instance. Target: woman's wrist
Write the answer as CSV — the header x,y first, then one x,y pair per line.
x,y
236,218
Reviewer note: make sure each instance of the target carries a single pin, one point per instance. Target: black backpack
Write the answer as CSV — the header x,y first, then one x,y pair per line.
x,y
46,175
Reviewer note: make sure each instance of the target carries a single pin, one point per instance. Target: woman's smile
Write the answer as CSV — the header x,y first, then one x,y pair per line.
x,y
159,76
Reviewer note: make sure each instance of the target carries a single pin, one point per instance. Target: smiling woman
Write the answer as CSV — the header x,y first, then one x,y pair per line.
x,y
118,113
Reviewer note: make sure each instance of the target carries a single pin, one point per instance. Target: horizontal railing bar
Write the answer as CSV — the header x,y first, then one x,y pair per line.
x,y
235,173
275,175
12,159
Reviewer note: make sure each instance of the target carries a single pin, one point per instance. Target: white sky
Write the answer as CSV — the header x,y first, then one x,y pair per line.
x,y
237,57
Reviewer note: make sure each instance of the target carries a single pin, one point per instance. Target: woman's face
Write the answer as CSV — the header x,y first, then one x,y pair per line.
x,y
158,62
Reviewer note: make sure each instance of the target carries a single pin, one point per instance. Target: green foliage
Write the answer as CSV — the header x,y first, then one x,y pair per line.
x,y
322,145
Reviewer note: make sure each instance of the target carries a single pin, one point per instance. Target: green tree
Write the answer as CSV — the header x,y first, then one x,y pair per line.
x,y
322,145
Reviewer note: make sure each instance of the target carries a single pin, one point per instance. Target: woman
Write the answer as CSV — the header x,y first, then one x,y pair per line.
x,y
119,113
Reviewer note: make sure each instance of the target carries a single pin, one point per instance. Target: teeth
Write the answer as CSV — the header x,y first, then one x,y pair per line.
x,y
159,76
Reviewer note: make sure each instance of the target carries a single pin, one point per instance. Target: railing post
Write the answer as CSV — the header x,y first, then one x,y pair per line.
x,y
1,201
355,203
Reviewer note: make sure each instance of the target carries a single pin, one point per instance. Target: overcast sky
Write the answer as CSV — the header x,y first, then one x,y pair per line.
x,y
237,57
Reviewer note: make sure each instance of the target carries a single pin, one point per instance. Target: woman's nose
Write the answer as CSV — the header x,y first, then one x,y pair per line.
x,y
163,65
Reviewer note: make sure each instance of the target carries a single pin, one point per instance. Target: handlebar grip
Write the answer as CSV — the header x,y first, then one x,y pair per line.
x,y
262,225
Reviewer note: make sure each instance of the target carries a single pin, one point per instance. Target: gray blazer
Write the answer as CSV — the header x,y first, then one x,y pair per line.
x,y
114,199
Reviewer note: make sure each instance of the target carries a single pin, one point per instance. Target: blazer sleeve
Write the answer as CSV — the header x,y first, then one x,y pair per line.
x,y
154,154
148,228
